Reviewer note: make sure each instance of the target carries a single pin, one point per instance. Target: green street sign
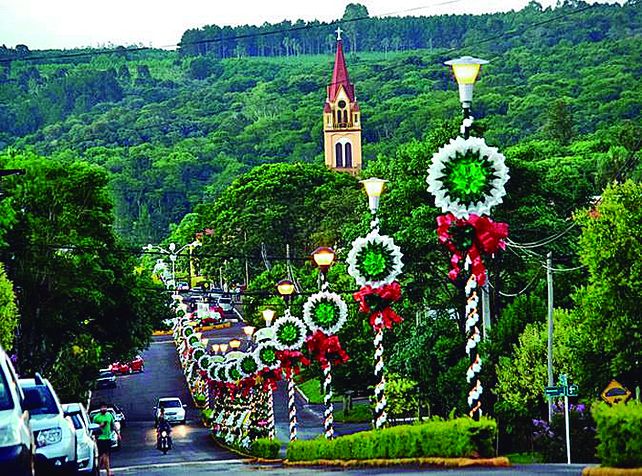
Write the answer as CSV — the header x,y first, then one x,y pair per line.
x,y
554,391
572,391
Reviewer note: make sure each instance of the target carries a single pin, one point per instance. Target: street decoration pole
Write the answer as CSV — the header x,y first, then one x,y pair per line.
x,y
467,179
325,314
375,263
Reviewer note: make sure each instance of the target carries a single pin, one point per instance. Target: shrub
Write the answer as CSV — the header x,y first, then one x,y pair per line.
x,y
461,437
619,431
550,439
266,448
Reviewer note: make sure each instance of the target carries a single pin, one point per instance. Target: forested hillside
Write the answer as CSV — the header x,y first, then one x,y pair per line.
x,y
174,129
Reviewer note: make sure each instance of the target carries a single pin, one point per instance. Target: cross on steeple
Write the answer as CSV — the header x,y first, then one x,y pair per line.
x,y
339,31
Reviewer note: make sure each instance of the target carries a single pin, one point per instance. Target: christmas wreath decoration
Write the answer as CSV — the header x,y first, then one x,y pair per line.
x,y
266,355
248,365
204,362
325,311
188,331
212,370
232,371
289,332
192,340
198,352
374,260
467,176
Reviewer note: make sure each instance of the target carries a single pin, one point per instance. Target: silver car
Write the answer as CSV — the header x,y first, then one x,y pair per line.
x,y
86,447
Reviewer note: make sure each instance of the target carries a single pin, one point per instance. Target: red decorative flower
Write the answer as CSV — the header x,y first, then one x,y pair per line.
x,y
472,237
326,349
376,302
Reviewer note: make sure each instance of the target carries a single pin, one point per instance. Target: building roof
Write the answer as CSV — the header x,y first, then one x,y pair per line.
x,y
340,76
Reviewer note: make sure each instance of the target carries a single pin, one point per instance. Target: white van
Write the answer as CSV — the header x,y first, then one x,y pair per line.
x,y
17,445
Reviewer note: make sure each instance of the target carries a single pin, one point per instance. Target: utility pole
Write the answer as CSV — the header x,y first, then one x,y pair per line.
x,y
549,282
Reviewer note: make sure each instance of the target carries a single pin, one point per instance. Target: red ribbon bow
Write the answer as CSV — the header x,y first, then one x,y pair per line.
x,y
326,349
291,361
270,377
488,238
377,301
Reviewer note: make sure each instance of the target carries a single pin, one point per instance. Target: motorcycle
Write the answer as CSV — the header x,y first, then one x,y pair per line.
x,y
164,441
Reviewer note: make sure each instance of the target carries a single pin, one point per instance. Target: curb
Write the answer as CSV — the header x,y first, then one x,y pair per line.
x,y
248,457
606,471
499,462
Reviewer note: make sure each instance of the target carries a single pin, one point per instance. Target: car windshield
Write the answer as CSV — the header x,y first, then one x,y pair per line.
x,y
48,403
169,404
6,401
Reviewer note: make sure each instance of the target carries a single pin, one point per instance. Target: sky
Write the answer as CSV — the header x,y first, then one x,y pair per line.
x,y
44,24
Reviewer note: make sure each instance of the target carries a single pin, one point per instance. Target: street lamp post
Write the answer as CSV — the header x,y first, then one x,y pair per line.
x,y
173,253
324,257
374,188
285,288
466,70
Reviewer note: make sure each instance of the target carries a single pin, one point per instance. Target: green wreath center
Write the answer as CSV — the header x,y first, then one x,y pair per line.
x,y
235,374
326,314
467,176
374,261
248,365
288,333
268,355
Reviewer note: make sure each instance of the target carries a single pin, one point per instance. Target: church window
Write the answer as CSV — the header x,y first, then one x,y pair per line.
x,y
348,161
338,148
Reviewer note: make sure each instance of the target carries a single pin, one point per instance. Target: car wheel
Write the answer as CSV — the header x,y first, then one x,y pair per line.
x,y
183,421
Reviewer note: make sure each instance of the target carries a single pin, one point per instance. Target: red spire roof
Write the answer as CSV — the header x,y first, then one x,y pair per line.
x,y
340,76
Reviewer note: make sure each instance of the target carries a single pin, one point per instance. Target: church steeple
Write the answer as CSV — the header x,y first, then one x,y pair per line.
x,y
341,118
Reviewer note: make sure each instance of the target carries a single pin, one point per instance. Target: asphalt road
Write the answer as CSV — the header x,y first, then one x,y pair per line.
x,y
136,395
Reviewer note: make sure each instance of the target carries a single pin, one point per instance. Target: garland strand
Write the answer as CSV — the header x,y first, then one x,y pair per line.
x,y
472,330
327,400
292,409
380,415
270,419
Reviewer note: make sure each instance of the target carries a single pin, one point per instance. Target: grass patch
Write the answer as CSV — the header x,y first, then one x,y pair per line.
x,y
360,413
312,390
526,458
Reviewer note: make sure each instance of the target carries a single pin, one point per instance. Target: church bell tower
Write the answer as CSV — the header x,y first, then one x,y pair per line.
x,y
341,119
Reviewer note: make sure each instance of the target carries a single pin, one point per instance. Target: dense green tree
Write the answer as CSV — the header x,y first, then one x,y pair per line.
x,y
8,311
77,284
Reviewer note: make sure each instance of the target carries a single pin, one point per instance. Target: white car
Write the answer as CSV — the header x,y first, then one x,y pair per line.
x,y
54,433
226,304
17,444
86,447
174,409
115,431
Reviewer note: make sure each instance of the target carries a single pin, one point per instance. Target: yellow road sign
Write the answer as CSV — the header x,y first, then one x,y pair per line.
x,y
615,392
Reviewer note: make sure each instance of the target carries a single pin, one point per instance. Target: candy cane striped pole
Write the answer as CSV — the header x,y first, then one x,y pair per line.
x,y
328,421
472,331
292,408
380,415
270,403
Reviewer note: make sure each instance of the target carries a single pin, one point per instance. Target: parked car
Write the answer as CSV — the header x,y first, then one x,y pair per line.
x,y
115,431
226,304
182,286
174,409
54,433
17,443
135,365
86,447
106,379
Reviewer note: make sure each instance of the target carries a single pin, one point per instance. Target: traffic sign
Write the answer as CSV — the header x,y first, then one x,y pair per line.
x,y
572,391
615,392
554,391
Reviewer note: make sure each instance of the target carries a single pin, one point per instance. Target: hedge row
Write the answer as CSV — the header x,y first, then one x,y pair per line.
x,y
619,431
461,437
265,448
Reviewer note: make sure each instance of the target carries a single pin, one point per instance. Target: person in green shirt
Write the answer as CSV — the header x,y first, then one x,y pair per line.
x,y
106,422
